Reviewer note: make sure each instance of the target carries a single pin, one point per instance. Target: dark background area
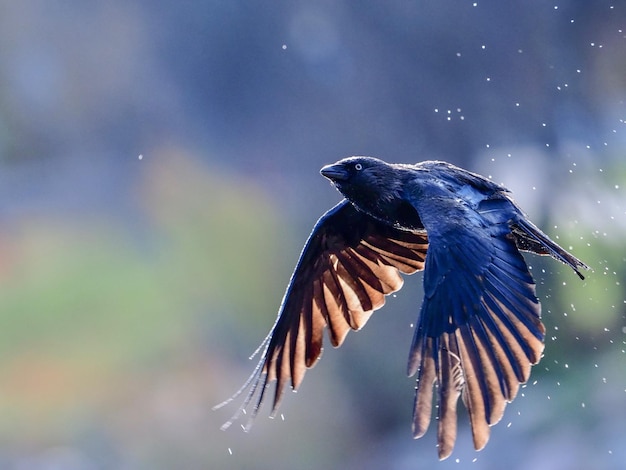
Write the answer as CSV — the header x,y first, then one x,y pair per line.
x,y
159,174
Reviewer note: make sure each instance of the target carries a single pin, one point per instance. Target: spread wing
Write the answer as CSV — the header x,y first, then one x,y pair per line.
x,y
478,333
348,265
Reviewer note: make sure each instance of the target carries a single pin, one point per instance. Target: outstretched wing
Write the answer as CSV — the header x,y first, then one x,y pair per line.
x,y
478,333
348,265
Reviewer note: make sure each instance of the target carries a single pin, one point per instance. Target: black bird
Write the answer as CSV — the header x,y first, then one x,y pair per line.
x,y
479,329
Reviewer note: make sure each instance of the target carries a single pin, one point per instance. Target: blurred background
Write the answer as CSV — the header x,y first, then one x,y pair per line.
x,y
159,175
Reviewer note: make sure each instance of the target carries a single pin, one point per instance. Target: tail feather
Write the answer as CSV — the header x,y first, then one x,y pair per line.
x,y
529,238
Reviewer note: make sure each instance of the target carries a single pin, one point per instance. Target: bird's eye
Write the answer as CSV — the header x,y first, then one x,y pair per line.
x,y
358,166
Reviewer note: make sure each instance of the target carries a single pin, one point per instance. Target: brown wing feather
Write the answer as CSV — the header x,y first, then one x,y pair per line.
x,y
347,267
478,335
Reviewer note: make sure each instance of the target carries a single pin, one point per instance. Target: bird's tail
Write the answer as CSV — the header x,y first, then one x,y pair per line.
x,y
529,238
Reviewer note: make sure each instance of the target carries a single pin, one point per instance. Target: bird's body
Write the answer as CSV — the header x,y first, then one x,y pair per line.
x,y
479,328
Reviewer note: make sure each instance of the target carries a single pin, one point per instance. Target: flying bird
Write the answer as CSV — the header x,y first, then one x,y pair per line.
x,y
479,329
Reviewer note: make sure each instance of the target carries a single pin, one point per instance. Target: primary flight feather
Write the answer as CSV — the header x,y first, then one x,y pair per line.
x,y
479,329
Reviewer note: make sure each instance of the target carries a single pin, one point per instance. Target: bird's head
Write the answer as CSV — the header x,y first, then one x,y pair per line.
x,y
356,176
369,183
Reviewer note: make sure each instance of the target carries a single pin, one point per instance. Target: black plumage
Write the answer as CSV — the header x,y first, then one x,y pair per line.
x,y
479,329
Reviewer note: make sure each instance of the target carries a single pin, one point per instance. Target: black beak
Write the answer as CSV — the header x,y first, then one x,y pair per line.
x,y
334,172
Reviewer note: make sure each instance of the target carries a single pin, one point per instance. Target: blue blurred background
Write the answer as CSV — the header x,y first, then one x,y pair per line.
x,y
159,175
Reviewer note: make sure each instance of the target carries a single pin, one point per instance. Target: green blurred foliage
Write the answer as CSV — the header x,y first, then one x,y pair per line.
x,y
86,305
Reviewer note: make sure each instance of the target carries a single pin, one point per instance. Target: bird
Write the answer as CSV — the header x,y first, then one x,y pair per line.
x,y
479,328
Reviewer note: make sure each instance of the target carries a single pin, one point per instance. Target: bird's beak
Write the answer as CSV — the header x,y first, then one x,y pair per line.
x,y
334,172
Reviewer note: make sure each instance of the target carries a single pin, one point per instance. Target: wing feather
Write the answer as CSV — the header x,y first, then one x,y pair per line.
x,y
348,265
315,322
426,378
450,383
478,333
338,319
